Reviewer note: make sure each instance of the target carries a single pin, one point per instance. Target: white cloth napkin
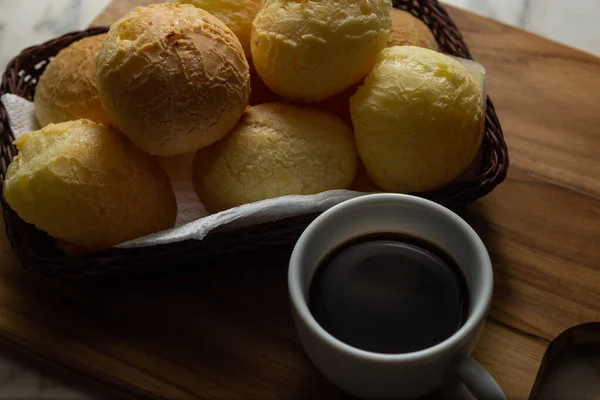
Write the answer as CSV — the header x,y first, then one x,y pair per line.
x,y
20,114
193,222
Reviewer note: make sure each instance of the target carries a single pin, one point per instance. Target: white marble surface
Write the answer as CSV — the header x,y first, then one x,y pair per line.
x,y
570,22
28,22
25,23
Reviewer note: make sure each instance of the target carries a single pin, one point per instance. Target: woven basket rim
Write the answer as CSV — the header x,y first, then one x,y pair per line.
x,y
492,171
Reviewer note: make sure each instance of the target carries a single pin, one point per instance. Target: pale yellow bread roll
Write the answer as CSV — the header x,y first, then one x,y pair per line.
x,y
418,120
173,78
276,149
408,30
311,50
88,185
67,88
236,14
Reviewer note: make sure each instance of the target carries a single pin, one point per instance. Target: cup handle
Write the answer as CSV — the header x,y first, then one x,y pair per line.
x,y
478,380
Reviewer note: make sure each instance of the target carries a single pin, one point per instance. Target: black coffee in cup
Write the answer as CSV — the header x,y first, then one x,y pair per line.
x,y
389,293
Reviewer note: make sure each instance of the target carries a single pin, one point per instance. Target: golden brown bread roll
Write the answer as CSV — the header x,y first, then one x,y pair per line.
x,y
276,149
408,30
67,88
173,78
88,185
311,50
418,120
236,14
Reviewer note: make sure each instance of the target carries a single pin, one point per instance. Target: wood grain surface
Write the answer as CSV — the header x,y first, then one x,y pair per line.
x,y
226,332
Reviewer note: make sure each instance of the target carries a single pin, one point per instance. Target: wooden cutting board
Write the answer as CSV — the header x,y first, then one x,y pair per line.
x,y
226,332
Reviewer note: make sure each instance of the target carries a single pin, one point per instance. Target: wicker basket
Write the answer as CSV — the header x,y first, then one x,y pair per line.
x,y
37,251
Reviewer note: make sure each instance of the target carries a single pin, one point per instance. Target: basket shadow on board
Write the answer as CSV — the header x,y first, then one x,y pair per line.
x,y
38,252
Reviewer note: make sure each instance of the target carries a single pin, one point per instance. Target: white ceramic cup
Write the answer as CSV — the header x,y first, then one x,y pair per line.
x,y
399,376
